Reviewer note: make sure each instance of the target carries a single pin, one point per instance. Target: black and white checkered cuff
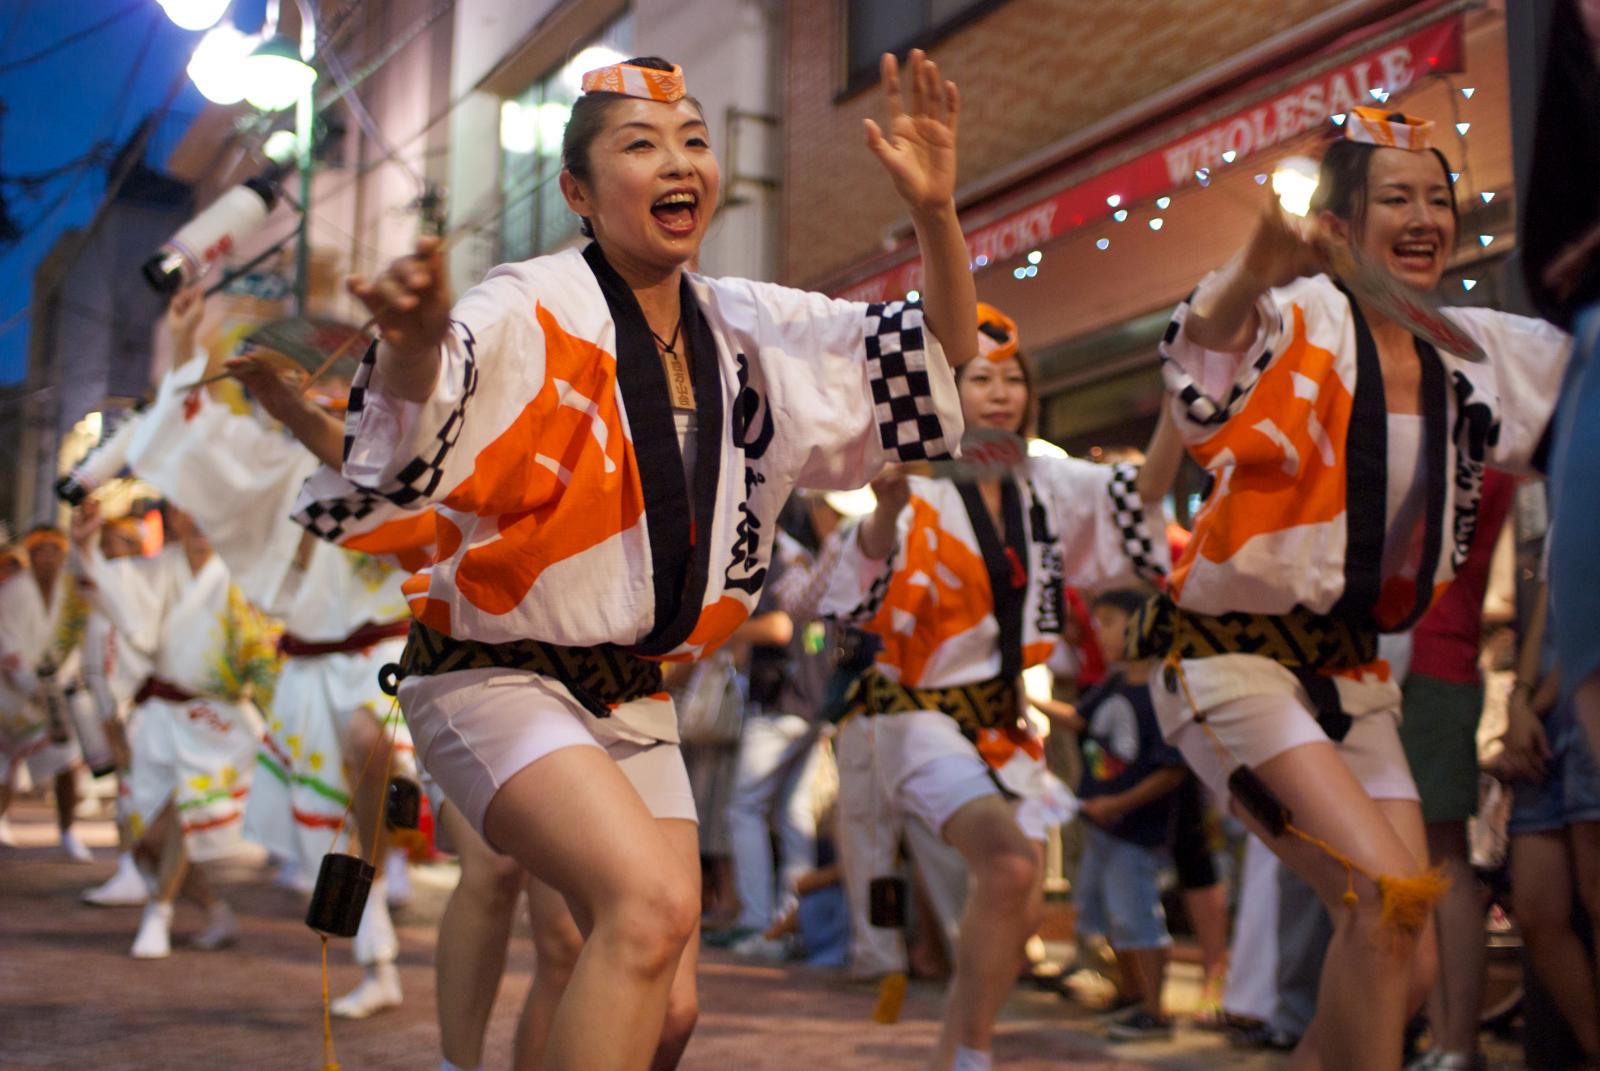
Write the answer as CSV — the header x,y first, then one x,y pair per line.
x,y
417,480
330,519
1127,513
909,426
1198,406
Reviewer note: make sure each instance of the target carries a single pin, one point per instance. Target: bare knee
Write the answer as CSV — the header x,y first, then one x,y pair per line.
x,y
652,923
557,944
1008,879
493,882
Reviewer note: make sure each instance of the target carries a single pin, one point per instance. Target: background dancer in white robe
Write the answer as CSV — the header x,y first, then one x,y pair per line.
x,y
327,735
112,673
195,731
42,618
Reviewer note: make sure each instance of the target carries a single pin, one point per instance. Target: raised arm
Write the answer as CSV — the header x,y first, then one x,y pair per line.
x,y
320,432
411,303
1222,314
1162,459
919,153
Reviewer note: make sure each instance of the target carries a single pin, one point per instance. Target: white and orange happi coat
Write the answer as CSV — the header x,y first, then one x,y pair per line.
x,y
933,600
38,637
1293,432
551,457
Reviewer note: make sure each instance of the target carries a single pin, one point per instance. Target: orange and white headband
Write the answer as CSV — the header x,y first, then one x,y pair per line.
x,y
646,83
45,536
997,334
1392,130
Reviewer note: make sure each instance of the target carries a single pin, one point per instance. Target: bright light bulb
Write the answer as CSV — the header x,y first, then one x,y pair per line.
x,y
1454,175
1467,91
1468,284
1294,180
1120,214
1487,195
1019,273
275,76
1379,94
1163,202
1485,239
1261,179
1155,224
281,146
983,260
1230,156
216,67
1338,118
1203,176
913,295
195,14
1114,200
1035,257
1030,271
1103,244
1462,128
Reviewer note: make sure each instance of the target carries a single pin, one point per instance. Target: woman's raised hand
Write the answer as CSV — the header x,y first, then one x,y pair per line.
x,y
1282,248
919,149
183,315
410,301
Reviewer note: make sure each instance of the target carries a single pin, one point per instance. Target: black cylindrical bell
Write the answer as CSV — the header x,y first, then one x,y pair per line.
x,y
403,809
886,902
340,897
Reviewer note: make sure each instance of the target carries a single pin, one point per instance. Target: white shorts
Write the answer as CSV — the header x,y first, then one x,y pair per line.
x,y
923,765
1257,727
198,755
477,728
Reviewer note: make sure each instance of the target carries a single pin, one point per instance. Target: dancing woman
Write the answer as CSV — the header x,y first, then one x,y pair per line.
x,y
964,582
1348,459
607,439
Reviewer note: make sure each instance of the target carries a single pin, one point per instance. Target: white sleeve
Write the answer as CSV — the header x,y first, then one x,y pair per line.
x,y
851,386
128,592
1208,386
15,664
239,481
1108,535
413,453
858,584
1530,358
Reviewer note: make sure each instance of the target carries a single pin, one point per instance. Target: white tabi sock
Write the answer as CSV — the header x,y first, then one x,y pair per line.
x,y
971,1060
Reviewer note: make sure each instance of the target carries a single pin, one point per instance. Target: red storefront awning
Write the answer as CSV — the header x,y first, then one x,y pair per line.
x,y
1193,158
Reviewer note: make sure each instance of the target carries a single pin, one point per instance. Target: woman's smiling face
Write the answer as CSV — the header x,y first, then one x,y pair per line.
x,y
654,183
1410,224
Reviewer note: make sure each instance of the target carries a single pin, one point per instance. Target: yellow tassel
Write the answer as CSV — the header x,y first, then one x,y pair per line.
x,y
1408,902
891,995
1349,886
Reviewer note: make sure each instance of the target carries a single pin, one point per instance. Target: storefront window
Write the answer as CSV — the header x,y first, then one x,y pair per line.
x,y
535,218
873,27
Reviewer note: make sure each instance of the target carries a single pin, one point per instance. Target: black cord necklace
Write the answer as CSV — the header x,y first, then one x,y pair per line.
x,y
679,385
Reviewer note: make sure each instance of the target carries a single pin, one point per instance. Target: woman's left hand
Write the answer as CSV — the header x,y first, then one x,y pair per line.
x,y
919,150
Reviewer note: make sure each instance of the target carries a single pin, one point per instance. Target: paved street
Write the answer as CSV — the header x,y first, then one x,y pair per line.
x,y
70,997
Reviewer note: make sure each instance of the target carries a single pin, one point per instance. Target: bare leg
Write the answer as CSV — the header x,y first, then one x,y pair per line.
x,y
1002,912
367,756
473,933
573,819
557,944
66,798
1373,977
1149,966
1459,916
1542,877
1208,914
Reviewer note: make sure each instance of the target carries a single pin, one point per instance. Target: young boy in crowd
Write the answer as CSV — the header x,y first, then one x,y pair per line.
x,y
1127,797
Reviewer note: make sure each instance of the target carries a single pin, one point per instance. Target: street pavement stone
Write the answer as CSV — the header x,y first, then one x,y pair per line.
x,y
71,997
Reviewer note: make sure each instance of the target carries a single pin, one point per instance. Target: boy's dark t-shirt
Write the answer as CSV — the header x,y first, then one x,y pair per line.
x,y
1122,746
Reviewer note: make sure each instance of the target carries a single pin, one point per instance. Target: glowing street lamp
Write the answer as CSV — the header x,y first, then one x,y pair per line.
x,y
195,14
217,62
275,77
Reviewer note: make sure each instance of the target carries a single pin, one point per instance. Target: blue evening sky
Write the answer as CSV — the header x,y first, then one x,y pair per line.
x,y
99,87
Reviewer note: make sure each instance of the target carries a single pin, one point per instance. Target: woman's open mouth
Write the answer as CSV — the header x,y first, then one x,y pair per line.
x,y
1418,255
677,211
